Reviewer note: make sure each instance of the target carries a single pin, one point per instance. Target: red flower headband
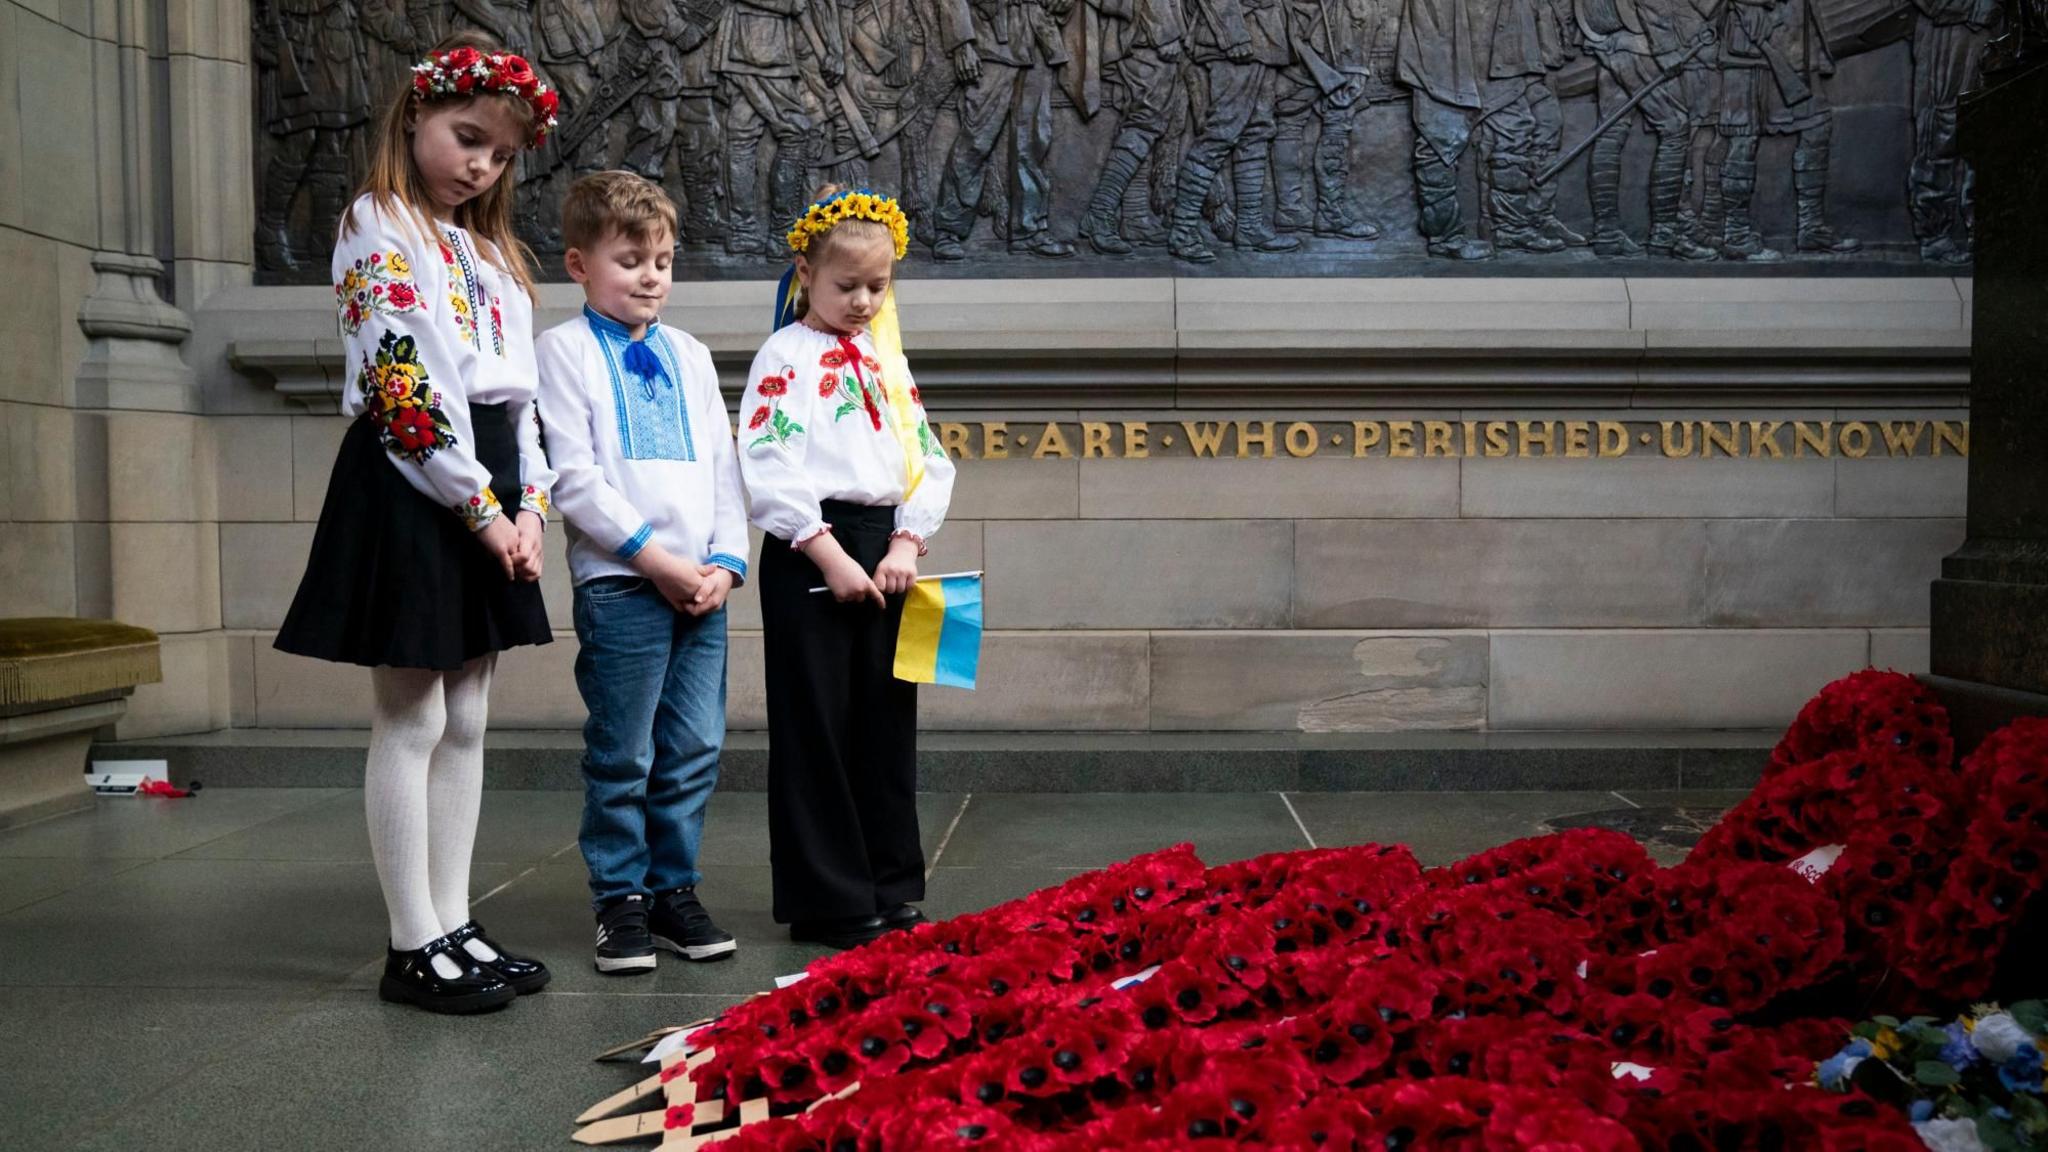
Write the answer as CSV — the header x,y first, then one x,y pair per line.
x,y
468,72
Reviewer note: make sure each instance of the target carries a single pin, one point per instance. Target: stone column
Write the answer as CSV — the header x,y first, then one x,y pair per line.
x,y
149,520
1990,606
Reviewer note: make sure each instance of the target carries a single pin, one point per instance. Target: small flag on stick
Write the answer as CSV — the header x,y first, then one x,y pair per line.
x,y
940,639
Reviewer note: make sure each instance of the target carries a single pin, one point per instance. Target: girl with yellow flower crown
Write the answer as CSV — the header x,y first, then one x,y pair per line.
x,y
843,471
426,561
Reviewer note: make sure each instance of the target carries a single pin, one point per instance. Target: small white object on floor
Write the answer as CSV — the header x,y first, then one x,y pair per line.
x,y
792,978
1631,1071
124,777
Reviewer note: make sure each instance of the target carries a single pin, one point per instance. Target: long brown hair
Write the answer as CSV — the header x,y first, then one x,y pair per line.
x,y
395,184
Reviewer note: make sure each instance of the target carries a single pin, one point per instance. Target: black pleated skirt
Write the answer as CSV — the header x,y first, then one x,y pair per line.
x,y
395,580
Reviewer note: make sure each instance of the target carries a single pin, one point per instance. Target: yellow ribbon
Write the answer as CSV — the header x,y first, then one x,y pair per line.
x,y
888,337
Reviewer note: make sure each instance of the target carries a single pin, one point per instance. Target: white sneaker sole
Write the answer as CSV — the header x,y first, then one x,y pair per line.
x,y
700,951
625,963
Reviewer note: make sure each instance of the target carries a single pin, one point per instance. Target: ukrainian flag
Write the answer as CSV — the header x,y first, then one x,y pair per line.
x,y
940,640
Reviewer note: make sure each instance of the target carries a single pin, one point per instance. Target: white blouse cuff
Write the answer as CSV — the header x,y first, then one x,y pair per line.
x,y
810,532
913,537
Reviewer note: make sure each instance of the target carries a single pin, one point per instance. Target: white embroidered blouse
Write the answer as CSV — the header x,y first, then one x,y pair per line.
x,y
816,426
642,458
429,327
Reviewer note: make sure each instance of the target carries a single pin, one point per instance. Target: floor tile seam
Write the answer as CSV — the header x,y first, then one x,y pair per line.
x,y
946,839
1298,823
133,863
293,810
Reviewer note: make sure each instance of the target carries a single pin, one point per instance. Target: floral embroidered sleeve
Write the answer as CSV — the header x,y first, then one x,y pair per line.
x,y
780,401
536,478
401,372
920,516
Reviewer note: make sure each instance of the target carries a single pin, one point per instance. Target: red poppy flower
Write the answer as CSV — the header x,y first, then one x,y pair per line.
x,y
413,429
773,386
679,1116
402,296
834,358
759,418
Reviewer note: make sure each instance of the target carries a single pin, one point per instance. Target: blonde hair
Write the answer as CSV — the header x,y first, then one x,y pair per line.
x,y
395,185
843,234
616,201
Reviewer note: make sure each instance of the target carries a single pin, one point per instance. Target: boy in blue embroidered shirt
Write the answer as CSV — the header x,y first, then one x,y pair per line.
x,y
650,488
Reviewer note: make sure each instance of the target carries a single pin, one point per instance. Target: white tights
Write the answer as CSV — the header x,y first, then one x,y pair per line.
x,y
421,793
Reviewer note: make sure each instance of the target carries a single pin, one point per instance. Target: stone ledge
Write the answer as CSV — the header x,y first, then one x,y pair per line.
x,y
1065,762
1469,340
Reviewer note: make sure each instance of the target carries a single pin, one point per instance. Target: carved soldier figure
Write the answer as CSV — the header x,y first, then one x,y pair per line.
x,y
903,61
1949,38
1141,58
1238,48
755,56
511,21
571,41
392,45
1333,43
700,138
1016,46
1773,54
314,95
1636,44
1481,66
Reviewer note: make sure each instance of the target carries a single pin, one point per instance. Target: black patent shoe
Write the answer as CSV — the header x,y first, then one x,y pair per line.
x,y
524,975
851,932
903,916
409,978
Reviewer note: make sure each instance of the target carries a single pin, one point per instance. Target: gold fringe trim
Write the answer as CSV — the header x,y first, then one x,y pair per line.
x,y
39,679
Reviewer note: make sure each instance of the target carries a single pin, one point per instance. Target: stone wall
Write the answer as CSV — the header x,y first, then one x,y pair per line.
x,y
115,222
1329,593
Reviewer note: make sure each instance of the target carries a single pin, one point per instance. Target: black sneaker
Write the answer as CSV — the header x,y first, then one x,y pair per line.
x,y
681,925
410,978
623,944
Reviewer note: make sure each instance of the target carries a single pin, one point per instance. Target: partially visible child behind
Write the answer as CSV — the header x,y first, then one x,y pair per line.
x,y
425,562
638,435
846,478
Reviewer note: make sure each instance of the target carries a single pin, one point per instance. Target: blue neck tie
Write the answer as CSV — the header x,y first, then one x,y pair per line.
x,y
642,362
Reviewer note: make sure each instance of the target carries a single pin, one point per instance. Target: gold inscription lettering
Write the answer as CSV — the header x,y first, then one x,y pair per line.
x,y
1471,436
1365,436
953,438
1712,437
1956,436
1094,439
1804,436
1577,439
1204,439
1900,438
995,442
1052,442
1302,439
1858,432
1401,438
1613,439
1136,444
1436,438
1246,437
1763,439
1496,439
1524,438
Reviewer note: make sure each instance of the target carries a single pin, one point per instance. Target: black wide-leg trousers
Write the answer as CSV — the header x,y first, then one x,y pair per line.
x,y
842,735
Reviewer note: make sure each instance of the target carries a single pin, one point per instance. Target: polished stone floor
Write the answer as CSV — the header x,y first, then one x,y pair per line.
x,y
199,974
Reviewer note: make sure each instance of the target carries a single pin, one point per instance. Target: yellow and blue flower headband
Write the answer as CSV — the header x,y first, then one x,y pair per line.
x,y
823,216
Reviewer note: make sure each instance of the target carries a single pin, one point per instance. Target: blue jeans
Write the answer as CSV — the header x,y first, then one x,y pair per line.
x,y
653,680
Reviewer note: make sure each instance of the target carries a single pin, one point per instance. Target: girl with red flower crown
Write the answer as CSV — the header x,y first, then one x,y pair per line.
x,y
428,555
848,476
